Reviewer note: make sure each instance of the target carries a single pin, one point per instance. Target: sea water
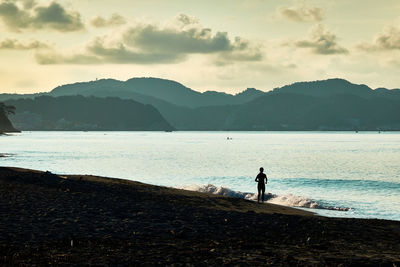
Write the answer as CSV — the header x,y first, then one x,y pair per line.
x,y
344,174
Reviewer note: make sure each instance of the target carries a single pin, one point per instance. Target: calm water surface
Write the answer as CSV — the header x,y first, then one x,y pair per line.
x,y
360,171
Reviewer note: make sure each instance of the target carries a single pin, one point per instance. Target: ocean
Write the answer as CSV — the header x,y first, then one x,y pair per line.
x,y
339,174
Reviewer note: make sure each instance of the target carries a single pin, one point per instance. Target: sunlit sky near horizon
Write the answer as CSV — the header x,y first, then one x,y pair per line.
x,y
224,45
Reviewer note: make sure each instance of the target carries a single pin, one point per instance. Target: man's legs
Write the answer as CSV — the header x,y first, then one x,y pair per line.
x,y
263,193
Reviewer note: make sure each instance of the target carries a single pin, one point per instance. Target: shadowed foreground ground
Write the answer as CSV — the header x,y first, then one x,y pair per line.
x,y
75,220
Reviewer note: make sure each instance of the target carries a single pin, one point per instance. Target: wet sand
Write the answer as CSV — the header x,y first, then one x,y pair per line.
x,y
80,220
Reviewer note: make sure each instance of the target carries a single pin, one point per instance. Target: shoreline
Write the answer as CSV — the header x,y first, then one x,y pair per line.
x,y
80,220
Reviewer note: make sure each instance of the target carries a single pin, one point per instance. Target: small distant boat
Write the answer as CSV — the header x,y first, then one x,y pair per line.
x,y
168,131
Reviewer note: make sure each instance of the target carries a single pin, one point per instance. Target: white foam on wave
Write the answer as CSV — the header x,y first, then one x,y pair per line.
x,y
295,201
219,190
285,200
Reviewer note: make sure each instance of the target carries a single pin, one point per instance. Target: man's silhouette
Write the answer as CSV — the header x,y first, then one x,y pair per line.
x,y
261,184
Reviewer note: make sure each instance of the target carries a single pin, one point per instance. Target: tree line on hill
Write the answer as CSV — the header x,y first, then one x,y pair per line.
x,y
158,104
86,113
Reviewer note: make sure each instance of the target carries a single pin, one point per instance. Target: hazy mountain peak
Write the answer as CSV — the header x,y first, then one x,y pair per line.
x,y
250,91
97,81
82,88
153,79
150,83
325,88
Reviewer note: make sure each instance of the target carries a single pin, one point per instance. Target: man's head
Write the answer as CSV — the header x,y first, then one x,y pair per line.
x,y
261,169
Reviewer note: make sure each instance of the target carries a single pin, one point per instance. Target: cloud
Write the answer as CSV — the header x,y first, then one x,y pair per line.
x,y
321,41
28,3
301,12
388,39
247,52
187,36
186,20
114,20
194,40
184,35
14,44
99,52
154,44
21,15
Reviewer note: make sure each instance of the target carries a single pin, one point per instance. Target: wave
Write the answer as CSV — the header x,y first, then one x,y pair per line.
x,y
342,183
285,200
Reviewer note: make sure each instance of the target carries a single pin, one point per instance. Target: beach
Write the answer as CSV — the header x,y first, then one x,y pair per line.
x,y
80,220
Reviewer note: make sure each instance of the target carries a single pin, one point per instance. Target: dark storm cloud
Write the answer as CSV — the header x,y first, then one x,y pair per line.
x,y
152,44
321,41
23,15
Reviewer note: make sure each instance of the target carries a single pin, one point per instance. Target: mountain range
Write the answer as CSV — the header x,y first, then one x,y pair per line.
x,y
166,90
330,87
333,104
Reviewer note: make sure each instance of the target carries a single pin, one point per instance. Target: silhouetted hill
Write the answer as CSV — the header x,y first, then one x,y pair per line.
x,y
166,90
288,111
175,115
325,88
337,112
330,87
248,95
333,104
86,113
5,123
172,99
383,92
183,118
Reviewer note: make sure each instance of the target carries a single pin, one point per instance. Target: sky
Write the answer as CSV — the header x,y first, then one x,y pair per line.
x,y
224,45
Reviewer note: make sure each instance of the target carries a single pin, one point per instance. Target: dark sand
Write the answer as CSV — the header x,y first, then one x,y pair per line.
x,y
80,220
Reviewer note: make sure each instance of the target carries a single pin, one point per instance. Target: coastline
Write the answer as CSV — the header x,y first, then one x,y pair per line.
x,y
79,219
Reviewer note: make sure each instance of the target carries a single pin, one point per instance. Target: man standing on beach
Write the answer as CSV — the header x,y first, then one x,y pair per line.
x,y
261,184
